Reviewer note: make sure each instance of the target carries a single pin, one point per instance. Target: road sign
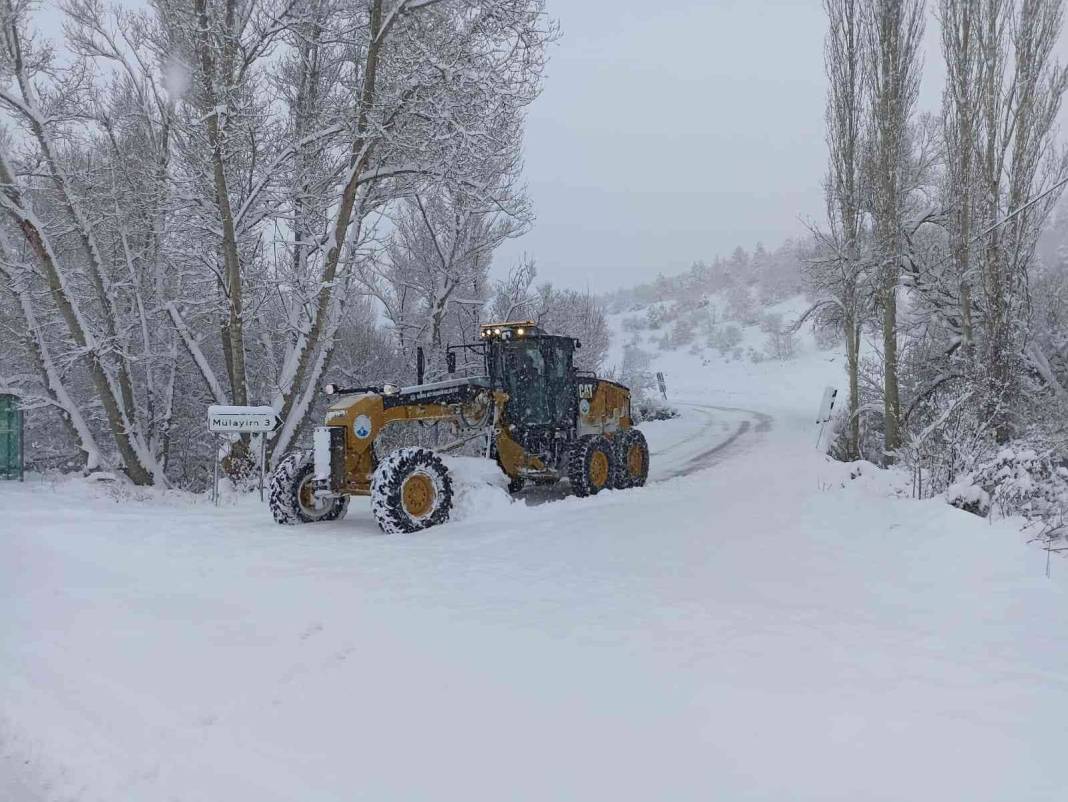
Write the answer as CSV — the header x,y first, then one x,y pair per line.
x,y
241,419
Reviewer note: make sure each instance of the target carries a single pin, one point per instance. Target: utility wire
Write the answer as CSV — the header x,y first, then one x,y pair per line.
x,y
1022,209
1004,220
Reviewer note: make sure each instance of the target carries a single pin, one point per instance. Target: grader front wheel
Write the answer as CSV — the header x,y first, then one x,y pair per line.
x,y
292,498
411,490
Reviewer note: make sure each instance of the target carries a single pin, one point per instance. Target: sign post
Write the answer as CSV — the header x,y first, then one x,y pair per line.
x,y
663,384
241,420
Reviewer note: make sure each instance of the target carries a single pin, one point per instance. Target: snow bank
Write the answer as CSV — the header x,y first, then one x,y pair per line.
x,y
480,489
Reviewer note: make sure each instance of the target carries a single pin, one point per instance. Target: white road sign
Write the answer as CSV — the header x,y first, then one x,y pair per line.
x,y
241,419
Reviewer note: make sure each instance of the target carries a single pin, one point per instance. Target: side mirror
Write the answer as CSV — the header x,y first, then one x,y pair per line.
x,y
578,344
450,361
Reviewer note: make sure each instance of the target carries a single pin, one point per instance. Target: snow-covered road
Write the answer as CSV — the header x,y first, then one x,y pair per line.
x,y
720,432
770,626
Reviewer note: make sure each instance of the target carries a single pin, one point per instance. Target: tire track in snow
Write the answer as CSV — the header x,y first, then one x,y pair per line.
x,y
757,423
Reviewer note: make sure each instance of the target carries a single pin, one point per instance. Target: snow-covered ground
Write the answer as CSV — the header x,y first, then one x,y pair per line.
x,y
759,623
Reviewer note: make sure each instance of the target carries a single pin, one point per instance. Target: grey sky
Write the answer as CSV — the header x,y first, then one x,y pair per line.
x,y
669,132
672,131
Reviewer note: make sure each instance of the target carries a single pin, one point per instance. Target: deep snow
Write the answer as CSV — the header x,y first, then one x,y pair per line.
x,y
771,626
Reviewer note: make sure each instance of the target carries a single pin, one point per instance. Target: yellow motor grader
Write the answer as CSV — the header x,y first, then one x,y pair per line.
x,y
527,407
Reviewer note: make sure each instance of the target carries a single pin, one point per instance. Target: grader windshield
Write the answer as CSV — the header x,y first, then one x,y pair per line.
x,y
538,375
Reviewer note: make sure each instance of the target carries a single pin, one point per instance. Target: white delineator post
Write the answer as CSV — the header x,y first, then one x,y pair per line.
x,y
663,384
826,411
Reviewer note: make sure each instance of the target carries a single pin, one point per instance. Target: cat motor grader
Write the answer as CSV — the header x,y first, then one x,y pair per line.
x,y
538,416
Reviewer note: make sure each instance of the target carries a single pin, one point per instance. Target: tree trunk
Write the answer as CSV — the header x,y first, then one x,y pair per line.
x,y
233,329
35,238
853,368
358,159
891,396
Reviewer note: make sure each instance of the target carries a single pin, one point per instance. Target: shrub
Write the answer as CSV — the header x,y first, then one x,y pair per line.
x,y
682,334
656,316
650,408
635,372
741,305
1019,480
780,341
726,338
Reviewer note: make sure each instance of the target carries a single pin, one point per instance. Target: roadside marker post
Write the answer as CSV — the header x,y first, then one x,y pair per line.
x,y
826,411
223,420
663,384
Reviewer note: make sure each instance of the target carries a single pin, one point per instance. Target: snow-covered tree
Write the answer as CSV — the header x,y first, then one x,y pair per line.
x,y
194,192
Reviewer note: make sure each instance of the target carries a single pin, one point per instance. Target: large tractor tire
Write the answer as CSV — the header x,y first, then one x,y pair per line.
x,y
411,490
632,459
291,498
591,465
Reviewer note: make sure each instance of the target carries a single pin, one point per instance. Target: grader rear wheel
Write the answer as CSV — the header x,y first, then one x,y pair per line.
x,y
600,469
632,459
591,465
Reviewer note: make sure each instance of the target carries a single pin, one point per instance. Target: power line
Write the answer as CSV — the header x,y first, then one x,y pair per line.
x,y
1003,221
1022,209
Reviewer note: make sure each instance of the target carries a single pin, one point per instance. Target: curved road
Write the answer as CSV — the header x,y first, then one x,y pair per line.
x,y
709,445
721,432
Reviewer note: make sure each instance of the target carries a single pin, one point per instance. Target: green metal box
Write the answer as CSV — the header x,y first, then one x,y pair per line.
x,y
11,442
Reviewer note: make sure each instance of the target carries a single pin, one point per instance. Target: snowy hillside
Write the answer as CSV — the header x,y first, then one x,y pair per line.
x,y
757,623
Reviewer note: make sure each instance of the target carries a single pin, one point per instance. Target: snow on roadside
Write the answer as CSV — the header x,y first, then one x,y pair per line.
x,y
776,626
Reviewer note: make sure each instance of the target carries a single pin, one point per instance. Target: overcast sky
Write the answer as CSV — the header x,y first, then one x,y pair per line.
x,y
672,131
669,132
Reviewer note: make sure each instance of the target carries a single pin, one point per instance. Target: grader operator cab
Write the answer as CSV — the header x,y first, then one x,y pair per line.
x,y
527,407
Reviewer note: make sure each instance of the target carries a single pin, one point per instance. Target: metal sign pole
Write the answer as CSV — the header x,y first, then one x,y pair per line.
x,y
263,461
215,459
22,445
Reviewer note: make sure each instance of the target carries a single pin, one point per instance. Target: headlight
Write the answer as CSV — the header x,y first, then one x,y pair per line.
x,y
330,389
390,389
